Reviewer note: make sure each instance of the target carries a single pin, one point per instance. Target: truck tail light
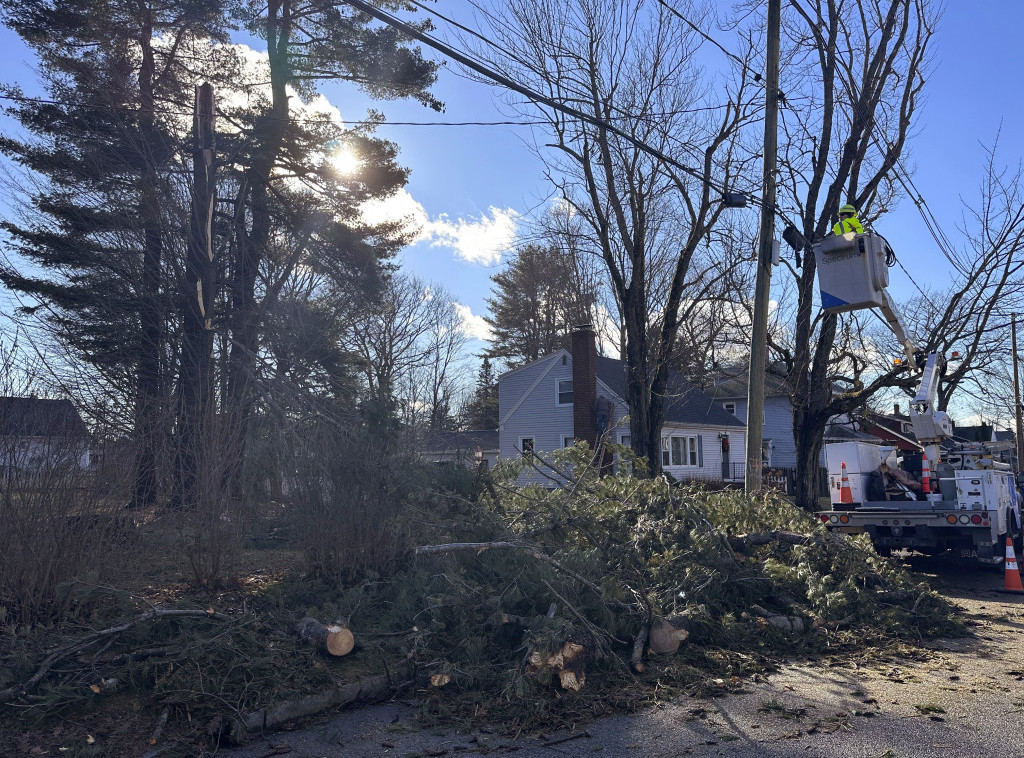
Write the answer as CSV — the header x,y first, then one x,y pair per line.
x,y
965,519
844,519
951,519
975,519
834,519
824,518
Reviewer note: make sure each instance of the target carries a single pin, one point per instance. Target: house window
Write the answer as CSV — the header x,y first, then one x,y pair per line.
x,y
679,450
526,445
626,440
568,441
563,392
730,408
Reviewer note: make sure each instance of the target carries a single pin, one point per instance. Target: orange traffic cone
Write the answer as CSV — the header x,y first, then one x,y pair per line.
x,y
845,494
926,475
1013,583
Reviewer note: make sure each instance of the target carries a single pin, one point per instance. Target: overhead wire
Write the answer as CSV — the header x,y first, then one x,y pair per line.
x,y
758,77
533,95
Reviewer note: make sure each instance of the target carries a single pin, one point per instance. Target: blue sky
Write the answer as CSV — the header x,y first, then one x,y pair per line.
x,y
468,183
464,172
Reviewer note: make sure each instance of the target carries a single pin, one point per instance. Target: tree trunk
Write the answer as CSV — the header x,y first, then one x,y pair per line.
x,y
148,405
333,639
192,471
245,322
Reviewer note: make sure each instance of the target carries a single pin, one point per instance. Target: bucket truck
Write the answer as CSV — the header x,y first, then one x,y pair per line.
x,y
969,503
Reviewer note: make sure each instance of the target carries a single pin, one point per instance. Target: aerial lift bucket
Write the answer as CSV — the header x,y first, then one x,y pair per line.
x,y
852,272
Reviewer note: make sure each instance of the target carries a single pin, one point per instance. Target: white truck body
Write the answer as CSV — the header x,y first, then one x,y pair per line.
x,y
973,503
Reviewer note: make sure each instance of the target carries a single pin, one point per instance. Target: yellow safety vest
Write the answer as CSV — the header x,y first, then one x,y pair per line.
x,y
851,224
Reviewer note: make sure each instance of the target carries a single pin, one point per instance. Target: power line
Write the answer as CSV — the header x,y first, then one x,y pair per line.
x,y
291,119
757,74
532,95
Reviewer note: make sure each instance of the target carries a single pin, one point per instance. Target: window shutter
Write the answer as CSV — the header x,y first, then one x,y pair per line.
x,y
700,450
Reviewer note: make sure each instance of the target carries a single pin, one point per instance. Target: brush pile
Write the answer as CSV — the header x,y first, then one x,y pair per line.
x,y
570,602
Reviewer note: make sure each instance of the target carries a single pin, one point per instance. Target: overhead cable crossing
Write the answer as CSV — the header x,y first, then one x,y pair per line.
x,y
536,97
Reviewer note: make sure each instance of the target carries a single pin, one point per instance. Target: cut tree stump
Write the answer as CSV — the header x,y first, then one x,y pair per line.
x,y
334,639
667,634
569,663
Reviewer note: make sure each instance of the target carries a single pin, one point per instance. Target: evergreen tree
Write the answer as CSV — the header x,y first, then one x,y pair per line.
x,y
481,411
537,301
102,155
308,42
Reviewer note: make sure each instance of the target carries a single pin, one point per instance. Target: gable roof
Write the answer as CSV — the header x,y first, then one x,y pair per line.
x,y
685,404
36,417
732,383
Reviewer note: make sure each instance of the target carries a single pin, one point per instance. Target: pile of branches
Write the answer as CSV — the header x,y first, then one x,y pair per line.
x,y
614,576
579,597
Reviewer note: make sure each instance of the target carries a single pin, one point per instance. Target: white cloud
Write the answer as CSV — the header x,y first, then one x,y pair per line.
x,y
401,205
475,240
473,326
480,240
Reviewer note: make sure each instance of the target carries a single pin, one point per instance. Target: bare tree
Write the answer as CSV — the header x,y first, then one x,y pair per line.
x,y
409,343
631,65
852,78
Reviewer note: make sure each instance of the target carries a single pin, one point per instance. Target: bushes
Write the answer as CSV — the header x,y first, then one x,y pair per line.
x,y
55,529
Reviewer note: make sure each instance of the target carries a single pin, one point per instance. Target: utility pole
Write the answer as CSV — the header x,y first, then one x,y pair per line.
x,y
1016,393
766,235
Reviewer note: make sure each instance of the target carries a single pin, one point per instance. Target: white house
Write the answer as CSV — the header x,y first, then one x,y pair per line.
x,y
573,394
38,434
470,448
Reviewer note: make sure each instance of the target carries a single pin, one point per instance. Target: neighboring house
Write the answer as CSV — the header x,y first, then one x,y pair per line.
x,y
461,447
729,390
38,434
979,433
892,429
574,394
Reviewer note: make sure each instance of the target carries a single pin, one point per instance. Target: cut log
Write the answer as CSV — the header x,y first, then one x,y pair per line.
x,y
667,634
636,659
334,639
237,730
568,663
778,620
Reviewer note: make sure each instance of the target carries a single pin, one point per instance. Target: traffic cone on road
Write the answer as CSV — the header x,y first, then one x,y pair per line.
x,y
1013,583
926,475
845,493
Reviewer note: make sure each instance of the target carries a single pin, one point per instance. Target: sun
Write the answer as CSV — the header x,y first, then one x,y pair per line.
x,y
344,160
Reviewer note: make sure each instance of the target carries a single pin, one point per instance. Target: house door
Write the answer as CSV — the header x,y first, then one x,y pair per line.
x,y
726,467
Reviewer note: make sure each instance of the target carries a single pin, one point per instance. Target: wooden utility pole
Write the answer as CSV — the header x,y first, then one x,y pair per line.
x,y
1016,393
766,235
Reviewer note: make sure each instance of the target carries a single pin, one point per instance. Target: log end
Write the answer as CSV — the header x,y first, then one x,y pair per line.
x,y
340,641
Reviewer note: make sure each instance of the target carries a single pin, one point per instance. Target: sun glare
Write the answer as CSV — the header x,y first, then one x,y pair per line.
x,y
345,162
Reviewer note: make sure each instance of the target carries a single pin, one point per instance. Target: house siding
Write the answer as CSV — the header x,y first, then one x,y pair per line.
x,y
538,416
709,466
778,427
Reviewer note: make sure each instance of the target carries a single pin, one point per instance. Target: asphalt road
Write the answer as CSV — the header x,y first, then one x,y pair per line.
x,y
962,697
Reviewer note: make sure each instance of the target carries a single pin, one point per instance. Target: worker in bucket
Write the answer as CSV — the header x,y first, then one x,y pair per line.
x,y
848,221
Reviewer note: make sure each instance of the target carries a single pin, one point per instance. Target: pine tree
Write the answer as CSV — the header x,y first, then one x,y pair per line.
x,y
481,412
307,42
102,154
537,301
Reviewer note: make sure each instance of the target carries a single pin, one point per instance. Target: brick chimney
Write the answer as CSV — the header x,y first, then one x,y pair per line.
x,y
584,383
